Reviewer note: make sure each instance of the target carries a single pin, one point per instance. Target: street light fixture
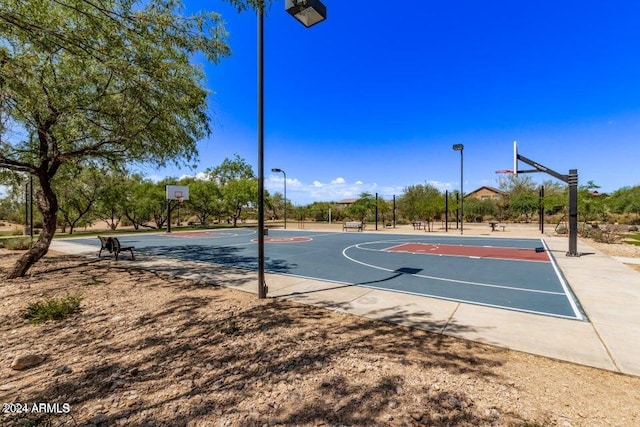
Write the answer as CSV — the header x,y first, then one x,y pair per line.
x,y
460,148
278,170
308,13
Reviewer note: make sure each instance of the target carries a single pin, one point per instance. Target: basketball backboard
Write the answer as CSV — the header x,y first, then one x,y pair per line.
x,y
177,192
515,158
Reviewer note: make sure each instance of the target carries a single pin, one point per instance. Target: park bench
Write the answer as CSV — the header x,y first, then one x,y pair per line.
x,y
113,245
493,226
353,224
105,245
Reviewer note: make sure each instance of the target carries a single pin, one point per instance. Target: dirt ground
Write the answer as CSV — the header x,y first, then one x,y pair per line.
x,y
154,350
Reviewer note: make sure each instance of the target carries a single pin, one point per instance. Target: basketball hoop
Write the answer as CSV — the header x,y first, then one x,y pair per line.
x,y
504,171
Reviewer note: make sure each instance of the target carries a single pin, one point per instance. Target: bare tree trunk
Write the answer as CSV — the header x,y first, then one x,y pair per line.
x,y
236,215
48,205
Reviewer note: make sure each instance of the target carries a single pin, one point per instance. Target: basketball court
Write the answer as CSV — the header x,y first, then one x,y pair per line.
x,y
511,274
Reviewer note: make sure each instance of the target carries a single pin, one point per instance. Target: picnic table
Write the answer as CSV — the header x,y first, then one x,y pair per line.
x,y
417,225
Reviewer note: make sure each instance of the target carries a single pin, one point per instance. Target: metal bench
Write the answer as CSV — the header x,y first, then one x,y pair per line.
x,y
493,226
353,224
113,245
105,244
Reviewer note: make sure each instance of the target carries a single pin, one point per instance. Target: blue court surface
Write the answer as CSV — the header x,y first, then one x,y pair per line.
x,y
512,274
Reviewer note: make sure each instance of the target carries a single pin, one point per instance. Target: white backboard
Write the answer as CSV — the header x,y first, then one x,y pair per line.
x,y
515,158
177,192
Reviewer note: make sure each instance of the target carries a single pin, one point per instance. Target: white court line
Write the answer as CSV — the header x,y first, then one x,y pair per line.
x,y
522,310
390,248
444,279
563,282
448,255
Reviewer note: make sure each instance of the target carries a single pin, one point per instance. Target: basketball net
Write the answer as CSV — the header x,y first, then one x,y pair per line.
x,y
504,171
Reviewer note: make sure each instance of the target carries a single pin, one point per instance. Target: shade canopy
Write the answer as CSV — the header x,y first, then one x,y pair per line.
x,y
308,12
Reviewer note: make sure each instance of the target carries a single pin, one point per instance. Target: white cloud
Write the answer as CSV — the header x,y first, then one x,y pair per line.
x,y
199,176
337,189
441,185
155,178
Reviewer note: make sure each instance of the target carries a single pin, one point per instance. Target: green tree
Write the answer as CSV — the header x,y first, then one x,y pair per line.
x,y
78,191
205,198
385,210
112,197
476,210
12,206
556,198
275,205
238,186
591,205
319,211
521,198
136,206
421,202
362,208
102,82
626,200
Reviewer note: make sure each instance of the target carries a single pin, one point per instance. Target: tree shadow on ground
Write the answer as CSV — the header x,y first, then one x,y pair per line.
x,y
221,255
205,356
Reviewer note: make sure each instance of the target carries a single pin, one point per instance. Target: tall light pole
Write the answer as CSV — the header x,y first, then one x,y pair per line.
x,y
308,13
278,170
460,148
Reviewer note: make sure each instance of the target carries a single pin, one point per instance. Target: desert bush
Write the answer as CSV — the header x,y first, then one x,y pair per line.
x,y
601,235
52,308
16,244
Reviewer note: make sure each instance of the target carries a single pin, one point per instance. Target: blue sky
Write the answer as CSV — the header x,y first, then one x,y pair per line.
x,y
373,100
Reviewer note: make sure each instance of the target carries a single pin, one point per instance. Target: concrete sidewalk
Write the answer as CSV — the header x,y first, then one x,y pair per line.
x,y
608,291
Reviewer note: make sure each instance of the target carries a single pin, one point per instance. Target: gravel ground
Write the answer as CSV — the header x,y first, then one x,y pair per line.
x,y
153,350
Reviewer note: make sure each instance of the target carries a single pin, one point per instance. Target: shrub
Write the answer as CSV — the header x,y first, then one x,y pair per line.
x,y
562,229
601,235
230,327
16,244
52,309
